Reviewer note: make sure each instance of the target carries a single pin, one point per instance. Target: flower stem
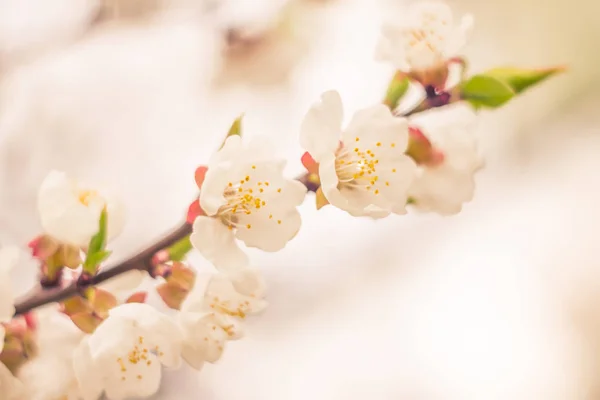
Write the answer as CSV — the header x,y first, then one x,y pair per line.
x,y
141,261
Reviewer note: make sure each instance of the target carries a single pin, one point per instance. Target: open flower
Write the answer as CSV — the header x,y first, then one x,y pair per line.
x,y
9,257
70,213
245,196
123,357
444,186
424,38
367,173
212,314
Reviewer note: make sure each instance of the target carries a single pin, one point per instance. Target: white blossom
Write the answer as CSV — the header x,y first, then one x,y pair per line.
x,y
245,196
9,257
56,339
70,212
424,37
123,357
443,188
363,168
212,314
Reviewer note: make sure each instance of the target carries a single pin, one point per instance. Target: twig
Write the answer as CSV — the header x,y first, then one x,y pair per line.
x,y
141,261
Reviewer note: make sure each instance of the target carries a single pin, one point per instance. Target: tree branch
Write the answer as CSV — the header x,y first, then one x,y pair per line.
x,y
141,261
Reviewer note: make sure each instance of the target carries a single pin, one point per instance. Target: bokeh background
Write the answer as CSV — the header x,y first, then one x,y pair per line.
x,y
499,302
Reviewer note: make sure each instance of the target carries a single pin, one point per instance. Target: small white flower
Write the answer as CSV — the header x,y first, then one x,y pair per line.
x,y
56,339
9,257
211,314
443,188
424,38
70,213
245,196
123,357
363,169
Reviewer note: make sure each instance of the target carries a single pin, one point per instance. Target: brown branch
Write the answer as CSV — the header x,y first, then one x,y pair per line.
x,y
141,261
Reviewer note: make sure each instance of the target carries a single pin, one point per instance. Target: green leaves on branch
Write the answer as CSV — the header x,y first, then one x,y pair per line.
x,y
96,252
520,79
496,87
486,91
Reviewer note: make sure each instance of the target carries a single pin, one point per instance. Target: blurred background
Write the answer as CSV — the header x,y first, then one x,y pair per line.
x,y
499,302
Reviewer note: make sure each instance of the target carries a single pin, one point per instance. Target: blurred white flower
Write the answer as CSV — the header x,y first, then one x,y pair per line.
x,y
9,257
211,314
363,169
424,37
444,187
245,196
123,357
57,337
71,213
10,387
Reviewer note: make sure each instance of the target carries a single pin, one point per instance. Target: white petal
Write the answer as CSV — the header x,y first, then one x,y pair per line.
x,y
269,234
111,338
230,151
321,128
213,188
249,282
62,215
270,227
205,340
141,379
116,217
193,356
157,329
217,244
375,124
90,380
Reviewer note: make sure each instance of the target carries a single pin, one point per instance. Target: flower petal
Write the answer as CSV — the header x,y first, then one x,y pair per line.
x,y
90,382
62,215
321,128
217,244
249,282
140,379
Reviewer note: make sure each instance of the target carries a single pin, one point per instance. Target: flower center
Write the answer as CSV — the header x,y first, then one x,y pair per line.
x,y
427,36
139,356
232,308
243,198
357,168
86,196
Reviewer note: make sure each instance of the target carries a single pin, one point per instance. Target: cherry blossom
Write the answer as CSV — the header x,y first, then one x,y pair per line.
x,y
212,314
445,186
245,196
424,37
123,357
363,169
70,212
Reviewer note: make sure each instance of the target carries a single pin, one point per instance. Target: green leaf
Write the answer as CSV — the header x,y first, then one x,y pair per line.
x,y
520,79
179,249
96,253
486,91
235,130
396,90
93,260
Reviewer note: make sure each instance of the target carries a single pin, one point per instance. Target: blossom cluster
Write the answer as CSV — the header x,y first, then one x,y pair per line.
x,y
383,160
